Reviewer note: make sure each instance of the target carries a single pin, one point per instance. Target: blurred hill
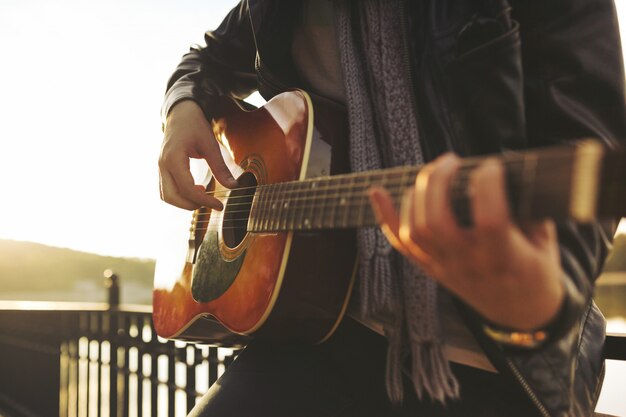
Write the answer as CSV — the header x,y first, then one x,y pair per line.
x,y
38,272
32,271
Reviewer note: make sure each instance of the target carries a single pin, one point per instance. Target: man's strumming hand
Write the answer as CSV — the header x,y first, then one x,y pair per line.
x,y
189,135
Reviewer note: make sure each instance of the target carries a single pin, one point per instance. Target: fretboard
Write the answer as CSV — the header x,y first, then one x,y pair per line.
x,y
553,182
324,203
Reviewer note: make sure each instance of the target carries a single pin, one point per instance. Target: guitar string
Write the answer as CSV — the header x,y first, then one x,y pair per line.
x,y
290,222
352,201
272,200
390,177
466,164
299,187
359,195
333,181
304,194
355,202
276,224
357,192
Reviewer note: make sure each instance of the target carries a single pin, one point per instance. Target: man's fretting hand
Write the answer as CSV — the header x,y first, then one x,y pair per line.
x,y
189,135
509,274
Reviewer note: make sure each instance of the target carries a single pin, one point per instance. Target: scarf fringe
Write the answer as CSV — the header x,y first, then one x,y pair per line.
x,y
393,374
431,373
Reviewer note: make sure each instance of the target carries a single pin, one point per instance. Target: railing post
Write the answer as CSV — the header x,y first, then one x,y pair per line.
x,y
111,282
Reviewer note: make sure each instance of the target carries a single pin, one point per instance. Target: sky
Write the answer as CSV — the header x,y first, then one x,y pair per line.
x,y
82,86
81,89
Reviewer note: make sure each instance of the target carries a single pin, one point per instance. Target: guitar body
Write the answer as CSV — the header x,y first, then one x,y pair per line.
x,y
233,284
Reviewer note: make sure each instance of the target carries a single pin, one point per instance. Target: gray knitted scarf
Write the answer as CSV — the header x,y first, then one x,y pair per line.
x,y
383,133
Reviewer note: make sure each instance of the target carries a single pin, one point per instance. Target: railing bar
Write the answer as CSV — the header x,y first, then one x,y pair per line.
x,y
76,360
213,365
126,380
99,379
139,383
88,372
171,382
154,385
64,380
190,388
113,369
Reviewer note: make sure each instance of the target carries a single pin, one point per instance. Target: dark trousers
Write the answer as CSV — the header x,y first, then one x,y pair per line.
x,y
344,377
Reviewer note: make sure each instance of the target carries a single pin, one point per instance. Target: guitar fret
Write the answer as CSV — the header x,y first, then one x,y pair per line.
x,y
288,204
345,201
405,180
362,201
270,220
299,207
284,206
267,192
262,190
300,199
274,212
254,207
310,198
331,197
323,219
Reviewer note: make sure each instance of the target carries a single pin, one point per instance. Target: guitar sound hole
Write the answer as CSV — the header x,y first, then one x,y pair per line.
x,y
237,210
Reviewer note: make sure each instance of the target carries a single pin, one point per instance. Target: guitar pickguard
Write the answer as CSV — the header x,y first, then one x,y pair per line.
x,y
212,274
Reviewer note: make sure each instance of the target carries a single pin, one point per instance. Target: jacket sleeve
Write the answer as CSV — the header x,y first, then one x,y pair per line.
x,y
574,88
224,67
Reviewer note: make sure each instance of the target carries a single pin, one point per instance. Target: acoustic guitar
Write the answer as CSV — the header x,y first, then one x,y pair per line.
x,y
279,260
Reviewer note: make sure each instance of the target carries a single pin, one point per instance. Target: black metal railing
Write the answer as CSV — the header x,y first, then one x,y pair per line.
x,y
90,360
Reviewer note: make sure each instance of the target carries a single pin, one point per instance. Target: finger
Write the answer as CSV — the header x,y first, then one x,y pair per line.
x,y
178,168
407,231
540,234
436,227
210,150
169,193
386,215
489,203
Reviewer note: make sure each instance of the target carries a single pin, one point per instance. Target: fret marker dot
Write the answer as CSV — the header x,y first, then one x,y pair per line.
x,y
342,201
286,204
307,223
274,205
313,184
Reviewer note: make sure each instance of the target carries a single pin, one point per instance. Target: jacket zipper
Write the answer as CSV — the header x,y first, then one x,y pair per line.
x,y
520,379
427,150
409,71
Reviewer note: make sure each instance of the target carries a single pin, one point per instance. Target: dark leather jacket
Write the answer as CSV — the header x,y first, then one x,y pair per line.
x,y
488,76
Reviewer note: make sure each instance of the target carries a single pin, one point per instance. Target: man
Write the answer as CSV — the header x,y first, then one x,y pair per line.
x,y
494,319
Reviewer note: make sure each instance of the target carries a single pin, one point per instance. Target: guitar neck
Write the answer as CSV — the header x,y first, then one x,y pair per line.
x,y
324,203
578,182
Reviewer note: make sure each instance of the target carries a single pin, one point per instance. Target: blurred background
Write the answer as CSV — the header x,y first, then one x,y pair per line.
x,y
82,84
